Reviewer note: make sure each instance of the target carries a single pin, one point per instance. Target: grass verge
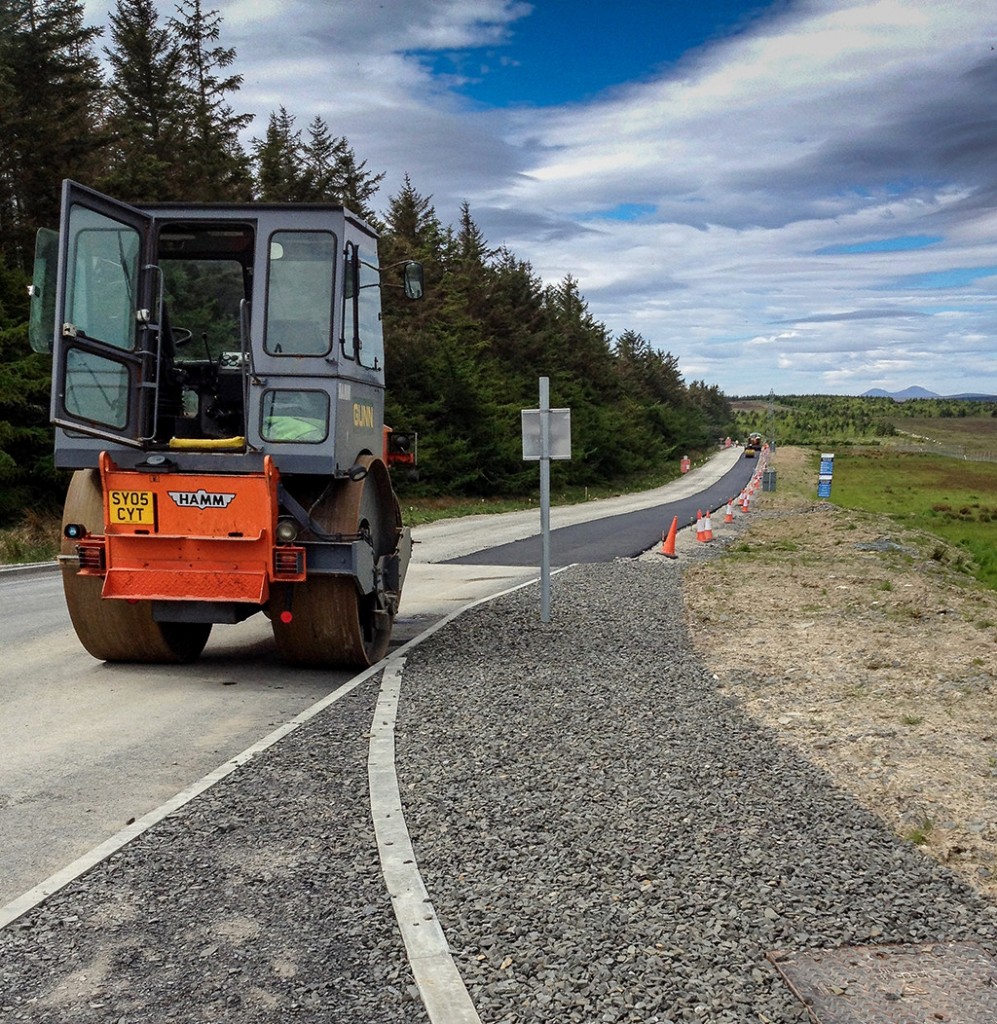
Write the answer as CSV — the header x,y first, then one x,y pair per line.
x,y
35,539
950,498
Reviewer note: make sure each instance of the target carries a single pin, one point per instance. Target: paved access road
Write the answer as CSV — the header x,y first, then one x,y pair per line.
x,y
87,747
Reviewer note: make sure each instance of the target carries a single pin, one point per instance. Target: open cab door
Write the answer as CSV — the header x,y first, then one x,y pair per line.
x,y
108,341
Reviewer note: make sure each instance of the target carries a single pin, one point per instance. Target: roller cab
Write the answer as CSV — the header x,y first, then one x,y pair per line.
x,y
218,391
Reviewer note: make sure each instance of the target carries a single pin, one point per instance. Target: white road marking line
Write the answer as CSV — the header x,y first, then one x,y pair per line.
x,y
440,984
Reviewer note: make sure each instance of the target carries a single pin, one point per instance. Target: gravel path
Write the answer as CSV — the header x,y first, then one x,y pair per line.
x,y
607,839
604,836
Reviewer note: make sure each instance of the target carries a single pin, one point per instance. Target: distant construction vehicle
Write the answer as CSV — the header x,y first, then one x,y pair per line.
x,y
218,389
752,446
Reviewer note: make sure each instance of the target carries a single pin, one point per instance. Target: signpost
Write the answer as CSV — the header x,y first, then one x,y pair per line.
x,y
546,436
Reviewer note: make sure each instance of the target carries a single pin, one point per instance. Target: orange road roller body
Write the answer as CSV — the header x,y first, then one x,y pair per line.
x,y
218,393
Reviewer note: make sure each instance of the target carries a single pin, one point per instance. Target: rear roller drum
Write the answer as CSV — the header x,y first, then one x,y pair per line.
x,y
332,622
115,630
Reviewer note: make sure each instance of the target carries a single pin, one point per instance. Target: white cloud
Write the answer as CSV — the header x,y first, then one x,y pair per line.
x,y
837,122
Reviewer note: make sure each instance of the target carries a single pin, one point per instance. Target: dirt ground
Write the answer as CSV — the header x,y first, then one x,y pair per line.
x,y
870,649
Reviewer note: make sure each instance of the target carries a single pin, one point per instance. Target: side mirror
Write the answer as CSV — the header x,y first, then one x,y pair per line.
x,y
414,280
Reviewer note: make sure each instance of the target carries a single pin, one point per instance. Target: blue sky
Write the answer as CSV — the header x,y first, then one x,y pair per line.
x,y
798,196
568,52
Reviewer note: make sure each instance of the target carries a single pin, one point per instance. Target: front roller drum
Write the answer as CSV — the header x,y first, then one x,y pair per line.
x,y
116,630
332,623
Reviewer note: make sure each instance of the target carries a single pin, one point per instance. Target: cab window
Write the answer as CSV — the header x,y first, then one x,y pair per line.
x,y
300,284
41,325
97,389
101,285
363,338
300,416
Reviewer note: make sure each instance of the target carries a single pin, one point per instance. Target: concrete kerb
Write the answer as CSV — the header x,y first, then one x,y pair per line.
x,y
28,569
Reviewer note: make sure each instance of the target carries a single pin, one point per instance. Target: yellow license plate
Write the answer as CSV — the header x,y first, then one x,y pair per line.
x,y
131,508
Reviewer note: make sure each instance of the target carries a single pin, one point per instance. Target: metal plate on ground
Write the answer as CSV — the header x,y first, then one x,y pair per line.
x,y
954,983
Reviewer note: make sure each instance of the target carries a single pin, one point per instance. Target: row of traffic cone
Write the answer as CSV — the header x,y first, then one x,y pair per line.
x,y
704,529
704,523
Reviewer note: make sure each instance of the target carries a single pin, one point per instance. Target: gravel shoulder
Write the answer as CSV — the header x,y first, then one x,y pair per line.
x,y
609,835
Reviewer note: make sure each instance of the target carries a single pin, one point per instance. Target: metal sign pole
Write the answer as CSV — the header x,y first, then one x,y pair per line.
x,y
546,436
545,499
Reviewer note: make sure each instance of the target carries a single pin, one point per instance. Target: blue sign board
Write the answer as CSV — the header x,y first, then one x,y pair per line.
x,y
824,489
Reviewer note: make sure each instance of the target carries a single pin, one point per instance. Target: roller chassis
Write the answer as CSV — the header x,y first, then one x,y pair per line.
x,y
245,474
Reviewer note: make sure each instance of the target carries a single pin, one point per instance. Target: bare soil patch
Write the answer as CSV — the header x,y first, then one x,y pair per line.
x,y
866,647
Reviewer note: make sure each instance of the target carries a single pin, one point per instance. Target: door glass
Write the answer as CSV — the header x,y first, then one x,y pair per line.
x,y
103,261
41,325
371,338
96,388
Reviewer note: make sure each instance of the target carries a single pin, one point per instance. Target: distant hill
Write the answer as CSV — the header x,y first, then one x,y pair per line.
x,y
901,396
916,392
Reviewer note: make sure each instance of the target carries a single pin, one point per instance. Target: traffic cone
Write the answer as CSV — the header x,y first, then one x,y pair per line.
x,y
744,501
707,527
729,517
668,543
699,526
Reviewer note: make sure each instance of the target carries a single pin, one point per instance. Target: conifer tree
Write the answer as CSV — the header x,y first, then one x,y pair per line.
x,y
472,249
411,221
323,169
320,157
148,106
356,186
217,165
50,87
277,160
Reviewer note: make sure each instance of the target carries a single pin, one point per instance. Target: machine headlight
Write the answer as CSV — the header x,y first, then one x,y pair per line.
x,y
287,531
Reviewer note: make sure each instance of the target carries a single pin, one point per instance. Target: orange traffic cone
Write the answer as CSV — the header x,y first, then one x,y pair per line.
x,y
668,543
729,517
699,525
744,501
707,527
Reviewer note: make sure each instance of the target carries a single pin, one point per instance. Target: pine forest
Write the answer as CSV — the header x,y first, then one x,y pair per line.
x,y
147,111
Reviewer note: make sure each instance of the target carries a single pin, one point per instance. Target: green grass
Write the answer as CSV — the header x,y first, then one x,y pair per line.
x,y
971,433
36,539
950,498
919,833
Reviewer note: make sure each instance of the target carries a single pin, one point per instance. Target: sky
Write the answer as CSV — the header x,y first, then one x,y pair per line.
x,y
797,196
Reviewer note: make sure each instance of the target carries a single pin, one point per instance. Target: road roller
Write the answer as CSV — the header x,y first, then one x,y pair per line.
x,y
218,394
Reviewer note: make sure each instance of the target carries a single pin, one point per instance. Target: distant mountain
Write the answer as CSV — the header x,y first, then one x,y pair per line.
x,y
916,392
900,396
